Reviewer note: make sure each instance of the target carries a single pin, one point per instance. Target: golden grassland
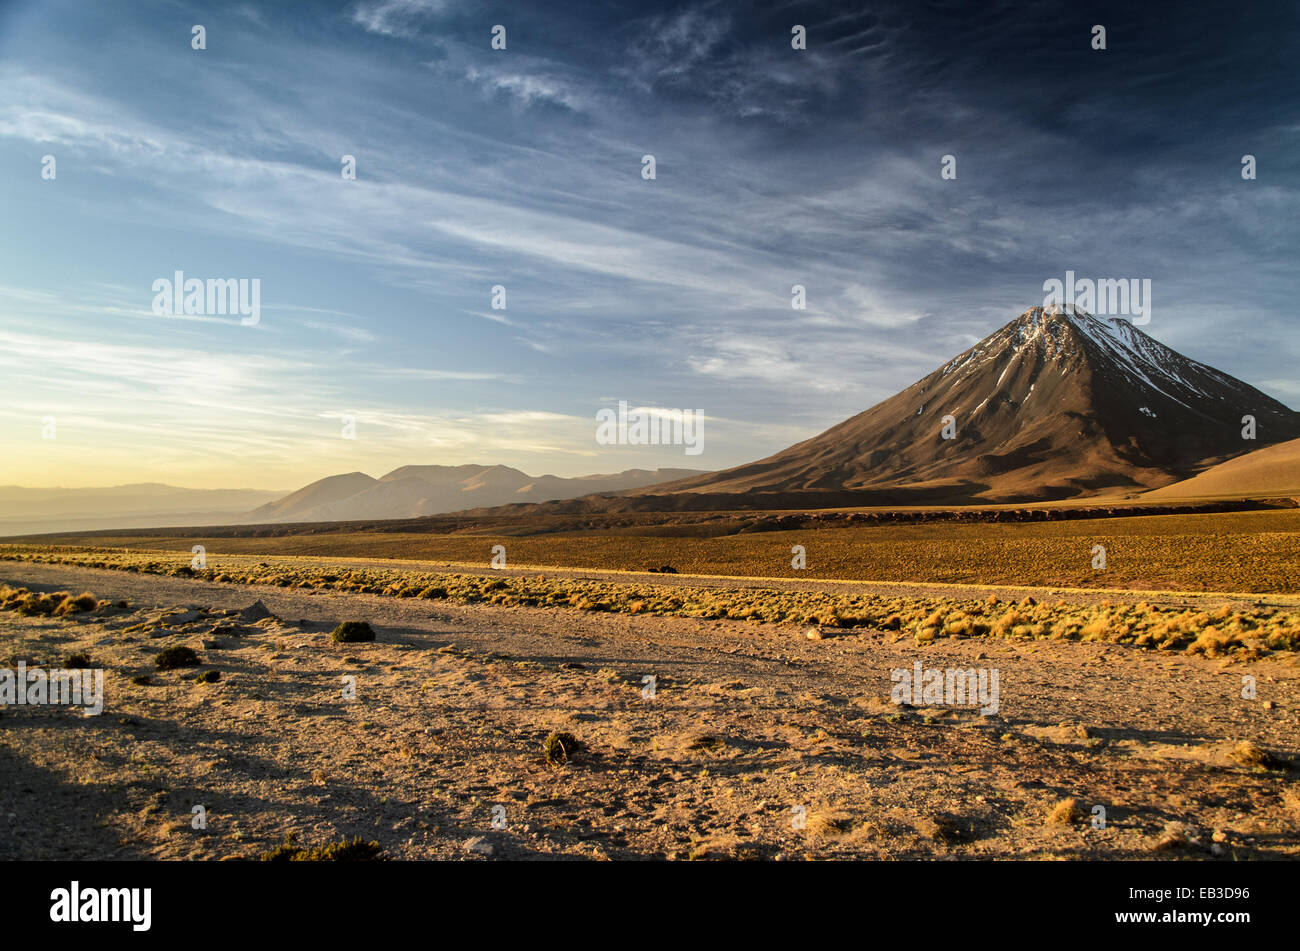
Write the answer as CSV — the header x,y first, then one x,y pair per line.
x,y
1256,552
1225,631
51,604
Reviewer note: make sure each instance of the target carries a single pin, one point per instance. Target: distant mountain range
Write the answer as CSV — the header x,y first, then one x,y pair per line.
x,y
407,492
142,505
413,491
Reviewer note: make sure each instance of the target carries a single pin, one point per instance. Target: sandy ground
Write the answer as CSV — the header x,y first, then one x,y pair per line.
x,y
758,743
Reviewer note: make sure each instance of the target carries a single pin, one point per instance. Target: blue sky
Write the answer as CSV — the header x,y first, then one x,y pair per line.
x,y
522,167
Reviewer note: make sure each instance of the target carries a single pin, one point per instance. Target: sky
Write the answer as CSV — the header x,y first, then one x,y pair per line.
x,y
523,168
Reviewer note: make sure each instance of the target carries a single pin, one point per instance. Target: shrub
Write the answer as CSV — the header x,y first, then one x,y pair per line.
x,y
77,661
351,632
9,595
1065,812
32,603
82,602
175,657
345,850
208,677
561,747
1251,754
828,824
432,592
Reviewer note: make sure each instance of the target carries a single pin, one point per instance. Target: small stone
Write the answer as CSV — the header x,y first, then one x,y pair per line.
x,y
257,611
479,845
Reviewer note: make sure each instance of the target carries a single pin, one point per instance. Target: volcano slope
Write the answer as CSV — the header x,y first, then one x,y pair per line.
x,y
1273,471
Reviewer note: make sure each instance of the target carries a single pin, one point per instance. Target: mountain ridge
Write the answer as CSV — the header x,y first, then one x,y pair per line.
x,y
414,490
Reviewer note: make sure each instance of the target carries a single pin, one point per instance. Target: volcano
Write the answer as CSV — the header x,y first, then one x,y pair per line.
x,y
1057,404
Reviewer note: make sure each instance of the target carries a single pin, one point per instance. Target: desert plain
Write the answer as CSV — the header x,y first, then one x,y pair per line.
x,y
595,709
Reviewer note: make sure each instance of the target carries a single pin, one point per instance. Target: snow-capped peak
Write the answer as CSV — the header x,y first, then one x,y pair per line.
x,y
1140,357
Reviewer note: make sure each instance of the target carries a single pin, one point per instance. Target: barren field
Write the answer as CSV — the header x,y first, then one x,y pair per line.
x,y
758,741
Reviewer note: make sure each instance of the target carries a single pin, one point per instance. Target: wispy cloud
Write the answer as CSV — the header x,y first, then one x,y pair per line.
x,y
531,89
395,17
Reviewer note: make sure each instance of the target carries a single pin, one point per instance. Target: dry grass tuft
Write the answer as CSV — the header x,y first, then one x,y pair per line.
x,y
1065,813
345,850
828,825
1253,755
